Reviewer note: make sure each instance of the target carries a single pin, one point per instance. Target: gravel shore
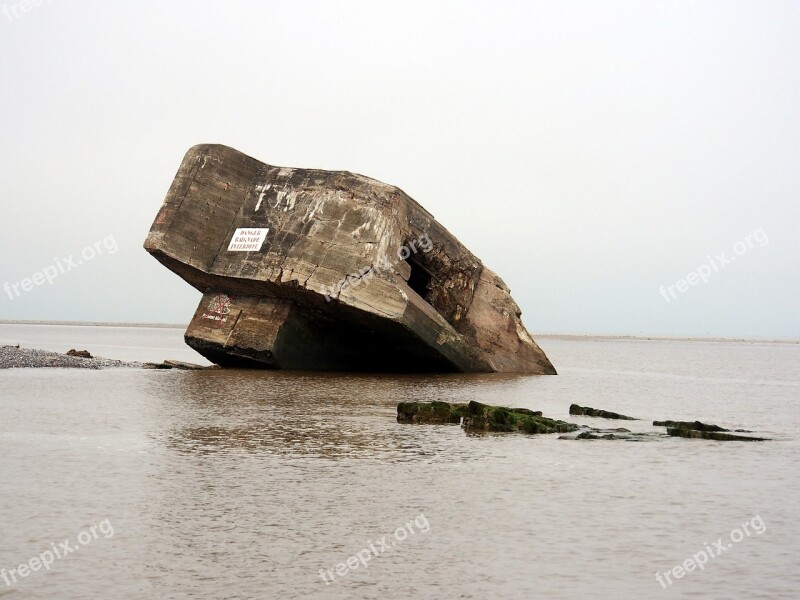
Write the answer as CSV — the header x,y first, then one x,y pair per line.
x,y
12,357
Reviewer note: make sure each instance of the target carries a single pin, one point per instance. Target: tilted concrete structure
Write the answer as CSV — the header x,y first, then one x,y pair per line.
x,y
329,270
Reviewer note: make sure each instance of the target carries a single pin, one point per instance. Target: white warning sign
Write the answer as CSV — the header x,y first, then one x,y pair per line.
x,y
248,239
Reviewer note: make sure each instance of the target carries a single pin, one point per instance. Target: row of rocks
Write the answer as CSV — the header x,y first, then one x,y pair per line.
x,y
687,429
476,417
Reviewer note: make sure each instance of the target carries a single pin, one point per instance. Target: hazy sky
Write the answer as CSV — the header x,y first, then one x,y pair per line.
x,y
588,152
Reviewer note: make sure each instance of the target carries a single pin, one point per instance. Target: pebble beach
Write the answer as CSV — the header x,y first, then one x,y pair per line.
x,y
14,357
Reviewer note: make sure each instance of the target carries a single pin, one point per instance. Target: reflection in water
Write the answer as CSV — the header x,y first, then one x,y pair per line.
x,y
297,414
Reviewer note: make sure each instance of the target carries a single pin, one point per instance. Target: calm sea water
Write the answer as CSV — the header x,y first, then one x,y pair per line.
x,y
242,484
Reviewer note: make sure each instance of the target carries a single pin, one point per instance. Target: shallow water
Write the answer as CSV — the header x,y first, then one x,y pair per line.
x,y
244,484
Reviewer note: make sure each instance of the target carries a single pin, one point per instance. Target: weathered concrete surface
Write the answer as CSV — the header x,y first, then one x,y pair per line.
x,y
334,271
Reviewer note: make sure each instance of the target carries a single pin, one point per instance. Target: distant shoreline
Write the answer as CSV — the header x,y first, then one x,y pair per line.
x,y
96,324
544,336
655,338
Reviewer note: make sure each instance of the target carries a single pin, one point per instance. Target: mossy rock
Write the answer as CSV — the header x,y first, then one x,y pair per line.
x,y
476,417
431,413
482,418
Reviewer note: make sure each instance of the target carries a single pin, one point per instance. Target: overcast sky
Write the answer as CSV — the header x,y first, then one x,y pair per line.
x,y
588,152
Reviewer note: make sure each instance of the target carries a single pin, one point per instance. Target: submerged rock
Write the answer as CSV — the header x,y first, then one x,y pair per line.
x,y
613,434
184,366
712,435
693,425
590,433
174,364
330,270
588,411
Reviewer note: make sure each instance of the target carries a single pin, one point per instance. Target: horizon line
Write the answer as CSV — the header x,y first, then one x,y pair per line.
x,y
566,336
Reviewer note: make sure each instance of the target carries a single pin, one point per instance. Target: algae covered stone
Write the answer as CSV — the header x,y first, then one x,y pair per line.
x,y
432,413
485,418
476,417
